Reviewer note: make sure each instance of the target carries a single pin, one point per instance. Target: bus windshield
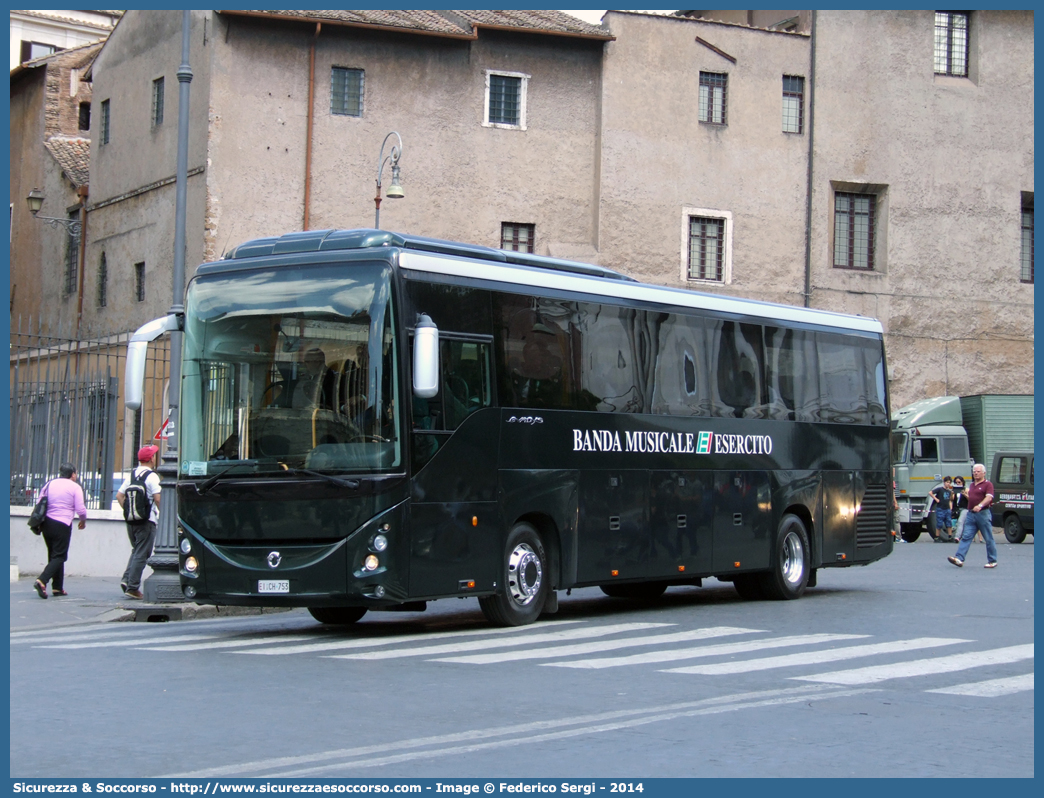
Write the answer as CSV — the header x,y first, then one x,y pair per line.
x,y
290,367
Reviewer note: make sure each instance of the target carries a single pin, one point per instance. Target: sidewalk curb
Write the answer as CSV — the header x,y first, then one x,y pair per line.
x,y
189,612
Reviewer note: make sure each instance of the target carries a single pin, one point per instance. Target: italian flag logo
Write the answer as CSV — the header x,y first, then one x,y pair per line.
x,y
703,443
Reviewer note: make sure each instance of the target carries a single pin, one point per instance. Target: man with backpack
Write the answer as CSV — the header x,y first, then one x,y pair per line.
x,y
139,496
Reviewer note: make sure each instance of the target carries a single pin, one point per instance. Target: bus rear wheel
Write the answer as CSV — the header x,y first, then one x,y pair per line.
x,y
337,616
524,578
642,591
790,562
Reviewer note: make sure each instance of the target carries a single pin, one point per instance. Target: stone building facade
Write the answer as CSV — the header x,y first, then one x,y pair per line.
x,y
819,159
50,152
36,34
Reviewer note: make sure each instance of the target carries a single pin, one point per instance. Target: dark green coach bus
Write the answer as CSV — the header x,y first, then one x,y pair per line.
x,y
370,420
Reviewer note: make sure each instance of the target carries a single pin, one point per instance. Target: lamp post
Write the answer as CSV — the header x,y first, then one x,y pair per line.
x,y
164,583
394,190
35,201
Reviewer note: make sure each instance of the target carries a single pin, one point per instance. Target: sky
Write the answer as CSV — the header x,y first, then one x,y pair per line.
x,y
595,17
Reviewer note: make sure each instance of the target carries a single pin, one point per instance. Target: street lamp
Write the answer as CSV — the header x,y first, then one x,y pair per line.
x,y
394,190
72,226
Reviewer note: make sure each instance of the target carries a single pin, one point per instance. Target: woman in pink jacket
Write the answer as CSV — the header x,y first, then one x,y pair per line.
x,y
64,501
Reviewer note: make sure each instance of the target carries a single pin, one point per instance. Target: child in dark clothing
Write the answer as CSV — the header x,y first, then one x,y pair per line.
x,y
943,495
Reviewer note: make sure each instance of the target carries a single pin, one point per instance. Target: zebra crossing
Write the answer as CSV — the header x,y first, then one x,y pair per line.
x,y
709,652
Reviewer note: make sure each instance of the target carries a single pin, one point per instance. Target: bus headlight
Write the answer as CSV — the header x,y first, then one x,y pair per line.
x,y
370,563
191,564
380,542
186,546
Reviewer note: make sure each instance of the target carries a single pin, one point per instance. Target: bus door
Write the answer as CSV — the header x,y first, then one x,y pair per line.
x,y
614,532
682,522
454,520
742,521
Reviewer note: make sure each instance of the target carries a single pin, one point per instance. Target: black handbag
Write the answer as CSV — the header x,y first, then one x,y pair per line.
x,y
39,513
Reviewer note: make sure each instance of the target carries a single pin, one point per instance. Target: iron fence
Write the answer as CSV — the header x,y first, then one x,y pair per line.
x,y
66,406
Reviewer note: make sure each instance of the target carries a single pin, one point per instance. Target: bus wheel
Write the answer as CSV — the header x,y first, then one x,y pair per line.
x,y
524,576
337,616
1013,529
748,586
790,567
642,591
910,532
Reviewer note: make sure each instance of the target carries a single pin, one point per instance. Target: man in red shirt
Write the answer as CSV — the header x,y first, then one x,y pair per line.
x,y
979,518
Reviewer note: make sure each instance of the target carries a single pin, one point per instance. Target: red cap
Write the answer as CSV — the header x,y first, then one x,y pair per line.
x,y
146,453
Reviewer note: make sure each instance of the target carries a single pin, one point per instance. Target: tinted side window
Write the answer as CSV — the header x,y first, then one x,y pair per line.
x,y
874,370
451,307
791,374
841,380
684,368
739,369
535,352
608,366
466,380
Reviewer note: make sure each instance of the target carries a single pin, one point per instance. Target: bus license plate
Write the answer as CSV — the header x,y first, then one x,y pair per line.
x,y
273,586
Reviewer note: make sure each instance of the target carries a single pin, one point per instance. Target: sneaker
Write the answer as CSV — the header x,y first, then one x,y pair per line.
x,y
955,561
134,593
123,587
990,565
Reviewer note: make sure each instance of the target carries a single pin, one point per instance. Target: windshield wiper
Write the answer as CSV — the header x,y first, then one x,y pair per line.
x,y
344,483
207,484
210,482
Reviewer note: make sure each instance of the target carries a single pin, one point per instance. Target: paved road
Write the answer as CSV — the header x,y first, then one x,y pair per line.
x,y
908,667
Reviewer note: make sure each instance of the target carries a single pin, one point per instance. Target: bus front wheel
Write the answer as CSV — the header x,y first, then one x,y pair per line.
x,y
524,577
337,616
790,562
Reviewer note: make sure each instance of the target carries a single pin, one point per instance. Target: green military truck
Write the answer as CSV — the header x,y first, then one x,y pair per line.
x,y
928,442
944,436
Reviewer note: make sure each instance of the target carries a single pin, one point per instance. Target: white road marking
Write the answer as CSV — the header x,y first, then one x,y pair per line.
x,y
72,638
990,688
816,657
549,637
704,651
138,642
601,645
234,643
373,642
590,724
921,667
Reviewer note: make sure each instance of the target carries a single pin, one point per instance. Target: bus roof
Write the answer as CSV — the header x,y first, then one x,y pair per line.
x,y
458,259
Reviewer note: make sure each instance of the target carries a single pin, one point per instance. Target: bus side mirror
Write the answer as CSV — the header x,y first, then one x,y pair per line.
x,y
425,358
137,350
